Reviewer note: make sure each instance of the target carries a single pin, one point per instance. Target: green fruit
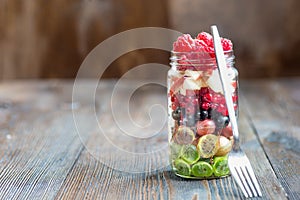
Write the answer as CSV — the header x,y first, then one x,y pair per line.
x,y
184,135
182,168
208,145
202,169
221,166
175,151
190,154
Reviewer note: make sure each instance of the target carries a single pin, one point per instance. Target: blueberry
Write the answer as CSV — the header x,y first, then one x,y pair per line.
x,y
222,121
227,120
178,110
175,115
213,114
204,114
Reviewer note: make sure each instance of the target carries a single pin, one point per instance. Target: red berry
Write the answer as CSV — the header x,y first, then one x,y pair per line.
x,y
195,102
214,105
234,84
197,93
182,104
218,98
173,106
205,105
226,44
173,98
205,127
187,99
207,97
184,43
222,109
227,131
234,98
204,90
206,38
235,106
200,46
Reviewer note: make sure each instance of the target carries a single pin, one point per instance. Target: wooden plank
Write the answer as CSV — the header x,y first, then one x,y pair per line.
x,y
273,110
44,157
42,145
92,179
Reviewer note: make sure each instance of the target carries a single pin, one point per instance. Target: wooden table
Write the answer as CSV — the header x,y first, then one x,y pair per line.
x,y
42,156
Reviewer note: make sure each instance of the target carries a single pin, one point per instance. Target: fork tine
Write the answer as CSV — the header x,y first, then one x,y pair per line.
x,y
238,180
249,180
254,180
244,182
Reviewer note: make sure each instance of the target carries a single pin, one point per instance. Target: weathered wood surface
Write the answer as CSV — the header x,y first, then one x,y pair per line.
x,y
43,157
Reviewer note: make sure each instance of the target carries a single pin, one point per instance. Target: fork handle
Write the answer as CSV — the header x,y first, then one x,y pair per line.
x,y
221,63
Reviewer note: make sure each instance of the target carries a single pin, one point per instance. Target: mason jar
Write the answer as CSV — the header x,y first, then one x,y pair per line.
x,y
200,134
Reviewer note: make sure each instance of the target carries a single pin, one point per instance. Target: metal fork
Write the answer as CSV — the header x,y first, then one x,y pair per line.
x,y
238,162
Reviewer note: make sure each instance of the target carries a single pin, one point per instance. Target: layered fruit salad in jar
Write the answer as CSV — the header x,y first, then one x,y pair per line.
x,y
200,134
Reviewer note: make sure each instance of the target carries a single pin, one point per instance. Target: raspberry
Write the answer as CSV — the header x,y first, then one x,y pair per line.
x,y
206,38
184,43
200,46
226,44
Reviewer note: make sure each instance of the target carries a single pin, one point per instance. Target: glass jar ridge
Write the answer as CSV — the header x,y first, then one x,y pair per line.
x,y
198,60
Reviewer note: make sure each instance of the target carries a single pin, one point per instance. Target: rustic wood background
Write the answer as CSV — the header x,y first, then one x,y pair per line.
x,y
50,39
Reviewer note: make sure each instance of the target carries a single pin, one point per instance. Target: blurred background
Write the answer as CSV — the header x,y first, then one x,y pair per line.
x,y
50,39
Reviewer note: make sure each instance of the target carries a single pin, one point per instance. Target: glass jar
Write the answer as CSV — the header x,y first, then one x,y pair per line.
x,y
200,134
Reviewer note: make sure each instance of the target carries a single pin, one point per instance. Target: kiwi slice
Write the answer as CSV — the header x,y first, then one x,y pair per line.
x,y
220,166
182,167
190,154
175,151
202,169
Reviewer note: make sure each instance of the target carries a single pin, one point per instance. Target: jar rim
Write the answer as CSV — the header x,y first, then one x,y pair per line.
x,y
199,52
198,60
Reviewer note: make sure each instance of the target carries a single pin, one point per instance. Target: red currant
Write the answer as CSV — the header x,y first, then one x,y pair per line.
x,y
173,98
214,105
234,98
234,84
222,109
207,97
205,105
235,106
174,106
182,104
195,102
204,90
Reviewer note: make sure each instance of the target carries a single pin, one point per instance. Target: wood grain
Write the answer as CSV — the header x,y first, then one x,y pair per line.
x,y
43,157
274,117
